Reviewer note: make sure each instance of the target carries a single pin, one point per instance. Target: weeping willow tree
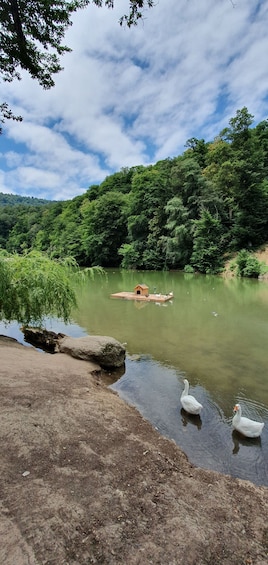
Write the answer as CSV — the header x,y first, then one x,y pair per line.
x,y
33,287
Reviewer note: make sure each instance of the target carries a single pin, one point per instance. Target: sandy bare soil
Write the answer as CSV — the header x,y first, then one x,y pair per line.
x,y
85,479
261,255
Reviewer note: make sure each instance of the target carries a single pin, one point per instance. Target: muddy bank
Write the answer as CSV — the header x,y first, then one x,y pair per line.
x,y
85,479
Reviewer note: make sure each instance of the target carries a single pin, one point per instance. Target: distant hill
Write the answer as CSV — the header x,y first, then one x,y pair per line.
x,y
15,199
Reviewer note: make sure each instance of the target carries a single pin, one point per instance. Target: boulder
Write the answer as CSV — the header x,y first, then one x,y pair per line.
x,y
106,351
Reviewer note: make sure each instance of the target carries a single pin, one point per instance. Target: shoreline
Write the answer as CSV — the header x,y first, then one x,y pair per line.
x,y
86,479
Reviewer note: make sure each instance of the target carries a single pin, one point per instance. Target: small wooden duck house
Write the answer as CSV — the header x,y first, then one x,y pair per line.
x,y
141,293
141,290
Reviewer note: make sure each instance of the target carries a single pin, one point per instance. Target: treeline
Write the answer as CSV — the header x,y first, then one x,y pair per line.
x,y
190,211
14,199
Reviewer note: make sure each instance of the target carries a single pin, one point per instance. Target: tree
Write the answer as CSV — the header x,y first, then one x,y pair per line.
x,y
48,225
117,182
7,114
261,135
237,168
146,215
104,228
179,241
208,245
32,286
61,235
130,256
189,183
238,131
198,148
22,234
31,34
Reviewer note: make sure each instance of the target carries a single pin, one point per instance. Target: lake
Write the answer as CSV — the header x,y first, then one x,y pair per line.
x,y
214,332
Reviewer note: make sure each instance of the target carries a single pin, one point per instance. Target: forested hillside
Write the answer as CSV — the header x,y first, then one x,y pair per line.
x,y
14,199
189,211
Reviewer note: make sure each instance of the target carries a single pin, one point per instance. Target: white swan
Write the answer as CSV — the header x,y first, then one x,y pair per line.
x,y
245,426
189,402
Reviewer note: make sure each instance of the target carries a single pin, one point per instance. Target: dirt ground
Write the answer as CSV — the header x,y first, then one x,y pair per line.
x,y
261,255
85,479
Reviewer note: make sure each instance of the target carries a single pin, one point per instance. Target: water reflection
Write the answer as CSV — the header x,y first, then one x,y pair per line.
x,y
238,440
209,440
111,377
222,352
214,333
190,419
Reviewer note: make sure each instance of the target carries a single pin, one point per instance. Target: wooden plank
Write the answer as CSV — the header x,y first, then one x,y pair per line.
x,y
140,297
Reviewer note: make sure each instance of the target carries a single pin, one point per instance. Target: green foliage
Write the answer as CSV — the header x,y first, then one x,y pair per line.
x,y
179,233
135,11
23,231
199,149
188,269
238,131
189,210
130,256
104,228
193,209
118,182
207,254
32,34
7,114
189,184
246,265
146,214
28,29
33,287
15,199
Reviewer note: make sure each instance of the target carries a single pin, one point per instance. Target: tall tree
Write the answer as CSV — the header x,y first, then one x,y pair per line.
x,y
238,131
147,218
198,148
189,183
104,228
64,235
208,245
179,229
23,232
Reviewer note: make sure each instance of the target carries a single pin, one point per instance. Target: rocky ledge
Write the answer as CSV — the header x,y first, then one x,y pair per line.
x,y
103,350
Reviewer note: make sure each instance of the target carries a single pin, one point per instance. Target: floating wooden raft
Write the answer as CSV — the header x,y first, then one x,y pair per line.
x,y
143,298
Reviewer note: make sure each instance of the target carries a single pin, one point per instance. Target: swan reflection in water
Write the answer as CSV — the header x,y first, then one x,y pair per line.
x,y
190,419
238,440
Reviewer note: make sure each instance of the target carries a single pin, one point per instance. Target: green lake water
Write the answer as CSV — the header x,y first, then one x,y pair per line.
x,y
214,332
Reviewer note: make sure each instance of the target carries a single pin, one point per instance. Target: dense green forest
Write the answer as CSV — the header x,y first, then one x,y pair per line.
x,y
14,199
192,211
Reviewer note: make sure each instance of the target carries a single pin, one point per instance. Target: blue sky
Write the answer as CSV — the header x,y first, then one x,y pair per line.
x,y
134,96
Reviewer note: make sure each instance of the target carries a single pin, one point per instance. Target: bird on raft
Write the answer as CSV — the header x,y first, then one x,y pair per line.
x,y
189,402
245,426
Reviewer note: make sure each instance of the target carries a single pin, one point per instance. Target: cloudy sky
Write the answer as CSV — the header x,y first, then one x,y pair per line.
x,y
134,96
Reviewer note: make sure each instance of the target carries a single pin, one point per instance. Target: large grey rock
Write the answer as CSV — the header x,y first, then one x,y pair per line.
x,y
104,350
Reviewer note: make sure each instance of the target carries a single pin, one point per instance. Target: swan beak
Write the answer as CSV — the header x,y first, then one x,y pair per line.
x,y
235,408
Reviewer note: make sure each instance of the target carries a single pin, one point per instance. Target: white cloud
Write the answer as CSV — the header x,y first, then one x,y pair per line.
x,y
129,97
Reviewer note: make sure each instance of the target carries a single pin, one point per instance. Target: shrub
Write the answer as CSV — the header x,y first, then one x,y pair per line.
x,y
247,265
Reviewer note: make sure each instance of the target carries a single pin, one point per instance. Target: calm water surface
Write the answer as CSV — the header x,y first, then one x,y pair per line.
x,y
214,332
